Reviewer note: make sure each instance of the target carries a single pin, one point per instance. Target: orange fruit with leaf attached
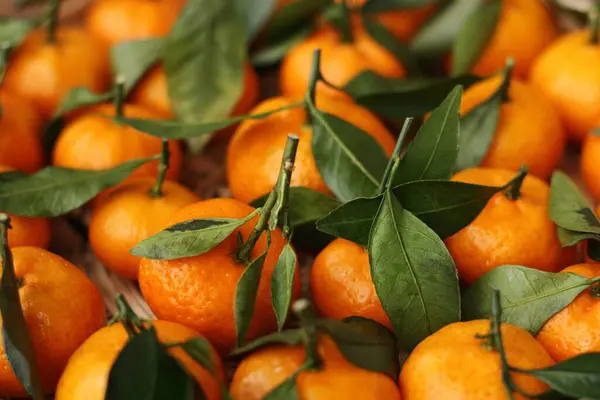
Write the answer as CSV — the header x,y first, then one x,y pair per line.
x,y
340,61
511,229
116,21
127,214
262,371
575,329
454,364
528,131
256,148
341,283
62,308
199,291
588,164
86,375
565,73
74,59
94,141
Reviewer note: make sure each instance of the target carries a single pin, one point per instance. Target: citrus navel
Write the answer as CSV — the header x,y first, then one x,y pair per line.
x,y
94,141
454,364
127,214
199,291
511,229
262,371
62,308
589,164
529,131
86,375
255,150
575,329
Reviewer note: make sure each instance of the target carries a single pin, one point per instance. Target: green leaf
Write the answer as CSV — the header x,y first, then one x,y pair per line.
x,y
15,334
188,238
204,57
529,296
377,6
432,153
350,161
81,97
577,377
131,60
200,350
55,191
256,13
173,382
352,220
14,30
474,36
593,249
570,238
437,36
402,98
365,343
245,296
413,272
286,390
275,50
291,337
293,17
282,283
11,176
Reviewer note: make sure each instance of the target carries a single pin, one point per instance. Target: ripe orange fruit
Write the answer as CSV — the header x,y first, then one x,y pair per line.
x,y
256,148
62,308
575,329
524,30
115,21
341,283
588,164
565,73
262,371
529,131
507,231
404,24
127,214
340,62
453,364
94,141
75,60
199,291
86,375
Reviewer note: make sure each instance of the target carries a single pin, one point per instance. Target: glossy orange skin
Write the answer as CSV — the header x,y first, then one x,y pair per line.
x,y
588,164
575,329
517,232
565,72
341,283
453,364
262,371
529,131
75,60
340,62
126,215
116,21
255,150
93,141
199,291
86,375
62,308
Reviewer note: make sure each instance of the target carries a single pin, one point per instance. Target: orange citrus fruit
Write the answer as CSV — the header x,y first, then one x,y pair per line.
x,y
589,166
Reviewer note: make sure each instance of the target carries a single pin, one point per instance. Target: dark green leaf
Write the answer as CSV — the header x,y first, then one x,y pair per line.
x,y
282,283
16,341
529,296
14,30
188,238
577,377
292,17
50,134
291,337
245,296
350,161
274,51
80,97
204,59
365,343
256,13
131,60
377,6
593,249
568,207
474,36
286,390
570,238
352,220
436,37
55,191
432,153
413,272
11,176
200,350
173,382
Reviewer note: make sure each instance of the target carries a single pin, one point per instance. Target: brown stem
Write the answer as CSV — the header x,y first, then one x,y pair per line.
x,y
308,322
163,166
513,188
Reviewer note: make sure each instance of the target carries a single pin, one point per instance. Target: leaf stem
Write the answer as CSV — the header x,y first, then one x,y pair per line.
x,y
119,96
346,24
594,23
125,315
308,322
512,190
507,73
163,166
392,165
277,202
53,17
311,92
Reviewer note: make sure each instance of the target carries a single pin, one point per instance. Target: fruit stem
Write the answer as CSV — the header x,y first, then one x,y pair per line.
x,y
163,166
277,202
311,92
512,189
53,15
504,89
346,25
596,287
594,21
125,315
308,322
119,96
392,165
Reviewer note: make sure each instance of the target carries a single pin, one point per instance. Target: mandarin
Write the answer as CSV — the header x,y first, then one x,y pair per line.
x,y
588,164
